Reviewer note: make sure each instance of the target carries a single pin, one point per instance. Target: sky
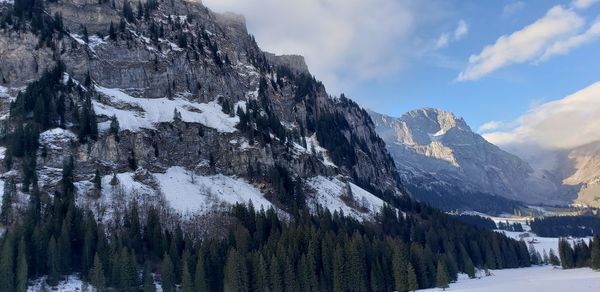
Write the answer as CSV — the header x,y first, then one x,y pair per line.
x,y
514,70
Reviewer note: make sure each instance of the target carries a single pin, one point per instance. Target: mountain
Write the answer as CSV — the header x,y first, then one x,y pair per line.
x,y
177,89
143,144
578,170
437,152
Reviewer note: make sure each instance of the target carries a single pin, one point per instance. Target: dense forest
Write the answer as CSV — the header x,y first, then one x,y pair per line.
x,y
475,220
562,226
260,250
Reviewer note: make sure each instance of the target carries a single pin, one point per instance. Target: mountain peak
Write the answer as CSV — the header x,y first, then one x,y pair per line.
x,y
437,121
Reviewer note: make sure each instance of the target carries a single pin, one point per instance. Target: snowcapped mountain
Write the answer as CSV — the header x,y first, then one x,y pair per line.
x,y
174,91
441,152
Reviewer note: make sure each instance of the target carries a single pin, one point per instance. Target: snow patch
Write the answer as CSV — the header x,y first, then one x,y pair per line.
x,y
330,192
313,147
144,113
189,193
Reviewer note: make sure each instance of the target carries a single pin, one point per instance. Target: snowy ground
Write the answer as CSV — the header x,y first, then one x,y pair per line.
x,y
544,278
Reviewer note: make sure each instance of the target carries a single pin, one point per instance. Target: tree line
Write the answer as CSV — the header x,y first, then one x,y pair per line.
x,y
580,254
561,226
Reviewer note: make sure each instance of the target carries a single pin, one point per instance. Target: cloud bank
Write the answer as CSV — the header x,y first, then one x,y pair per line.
x,y
524,45
556,33
343,41
562,124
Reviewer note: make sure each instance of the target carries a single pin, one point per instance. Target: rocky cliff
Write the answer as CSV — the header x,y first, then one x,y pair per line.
x,y
173,84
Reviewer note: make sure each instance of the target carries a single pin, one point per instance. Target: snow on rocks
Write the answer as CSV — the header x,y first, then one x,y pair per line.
x,y
135,114
190,193
56,137
313,147
334,194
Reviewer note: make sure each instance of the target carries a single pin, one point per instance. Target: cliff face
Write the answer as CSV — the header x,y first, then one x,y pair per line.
x,y
189,88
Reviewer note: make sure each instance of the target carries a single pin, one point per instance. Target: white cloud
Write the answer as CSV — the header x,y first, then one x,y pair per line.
x,y
490,126
343,41
562,124
583,4
564,46
512,8
461,31
524,45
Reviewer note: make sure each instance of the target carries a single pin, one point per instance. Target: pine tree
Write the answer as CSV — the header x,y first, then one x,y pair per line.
x,y
111,32
7,200
554,260
565,251
97,184
7,275
22,269
595,253
167,274
413,284
149,280
200,283
442,278
97,277
236,272
399,264
53,263
186,279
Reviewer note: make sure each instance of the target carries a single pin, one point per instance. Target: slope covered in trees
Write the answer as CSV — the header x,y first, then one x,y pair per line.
x,y
324,251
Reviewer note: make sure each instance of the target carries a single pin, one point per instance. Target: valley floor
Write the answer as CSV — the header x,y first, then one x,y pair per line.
x,y
539,278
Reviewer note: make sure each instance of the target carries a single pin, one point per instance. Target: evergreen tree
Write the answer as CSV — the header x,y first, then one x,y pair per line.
x,y
554,260
565,251
97,184
200,283
97,277
111,32
236,272
413,284
186,278
22,269
149,280
6,212
7,275
128,11
53,263
167,274
442,278
595,253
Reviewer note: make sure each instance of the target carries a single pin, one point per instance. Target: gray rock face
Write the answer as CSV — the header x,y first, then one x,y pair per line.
x,y
198,56
430,142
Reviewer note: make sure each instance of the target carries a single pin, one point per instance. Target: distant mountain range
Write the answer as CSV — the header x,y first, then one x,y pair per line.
x,y
444,162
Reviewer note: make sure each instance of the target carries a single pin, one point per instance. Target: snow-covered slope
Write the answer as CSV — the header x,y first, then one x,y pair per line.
x,y
143,113
434,143
336,195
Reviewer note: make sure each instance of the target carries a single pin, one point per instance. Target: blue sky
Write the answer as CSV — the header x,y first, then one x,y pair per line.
x,y
387,54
